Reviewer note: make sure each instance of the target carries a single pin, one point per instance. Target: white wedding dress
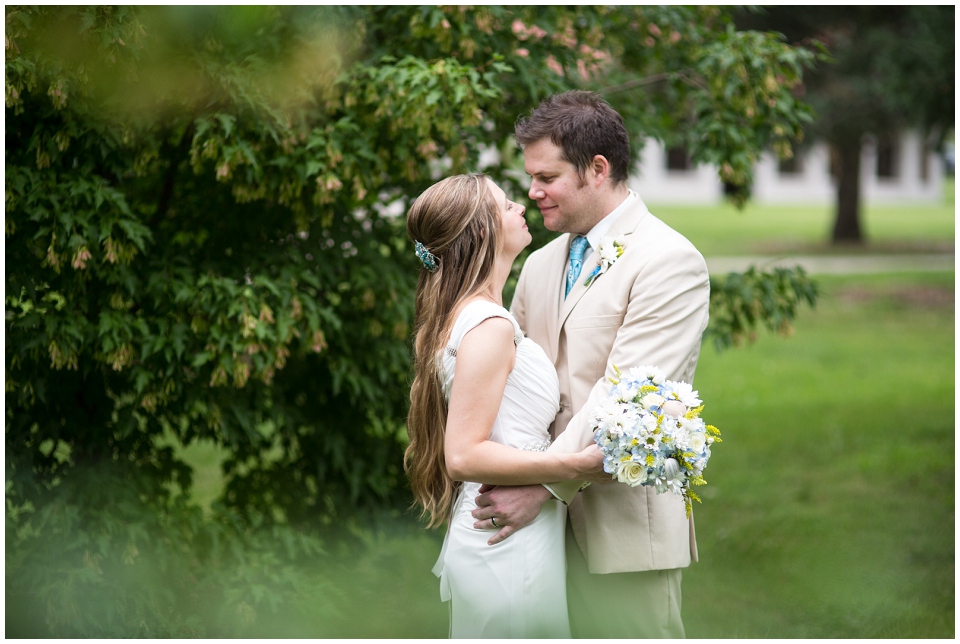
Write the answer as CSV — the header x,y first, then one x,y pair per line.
x,y
516,588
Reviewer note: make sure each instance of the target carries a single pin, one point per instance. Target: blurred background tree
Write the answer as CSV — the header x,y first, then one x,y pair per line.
x,y
893,67
203,246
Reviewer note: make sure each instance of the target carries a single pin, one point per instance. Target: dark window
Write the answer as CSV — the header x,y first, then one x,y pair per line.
x,y
793,165
886,159
925,161
678,159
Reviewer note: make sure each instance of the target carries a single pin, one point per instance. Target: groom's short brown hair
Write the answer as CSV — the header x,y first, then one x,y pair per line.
x,y
582,125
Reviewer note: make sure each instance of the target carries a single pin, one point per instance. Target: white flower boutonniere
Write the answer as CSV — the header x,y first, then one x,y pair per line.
x,y
610,251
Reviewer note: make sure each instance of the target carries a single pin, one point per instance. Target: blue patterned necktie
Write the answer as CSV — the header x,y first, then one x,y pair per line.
x,y
577,248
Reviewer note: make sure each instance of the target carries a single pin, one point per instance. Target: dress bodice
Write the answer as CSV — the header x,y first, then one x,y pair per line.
x,y
531,398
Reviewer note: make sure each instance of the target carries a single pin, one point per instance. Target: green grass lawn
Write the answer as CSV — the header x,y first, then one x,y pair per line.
x,y
766,229
830,509
830,505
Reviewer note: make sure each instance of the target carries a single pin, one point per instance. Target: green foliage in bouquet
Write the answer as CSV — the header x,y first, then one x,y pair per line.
x,y
203,244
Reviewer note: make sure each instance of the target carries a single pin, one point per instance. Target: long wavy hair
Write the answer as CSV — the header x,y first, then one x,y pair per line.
x,y
458,221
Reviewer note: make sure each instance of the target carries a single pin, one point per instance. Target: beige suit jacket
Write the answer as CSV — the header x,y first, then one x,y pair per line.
x,y
649,308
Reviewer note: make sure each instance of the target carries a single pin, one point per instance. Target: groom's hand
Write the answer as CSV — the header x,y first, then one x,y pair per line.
x,y
513,507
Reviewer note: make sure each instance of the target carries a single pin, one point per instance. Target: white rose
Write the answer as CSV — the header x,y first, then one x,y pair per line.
x,y
697,442
652,400
631,473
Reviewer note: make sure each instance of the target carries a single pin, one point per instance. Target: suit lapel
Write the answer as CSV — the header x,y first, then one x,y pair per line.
x,y
624,226
551,284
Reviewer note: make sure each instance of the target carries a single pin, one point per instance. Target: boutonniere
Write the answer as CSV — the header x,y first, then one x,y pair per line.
x,y
610,251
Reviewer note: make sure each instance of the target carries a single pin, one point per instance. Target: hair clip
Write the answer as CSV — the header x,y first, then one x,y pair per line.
x,y
429,261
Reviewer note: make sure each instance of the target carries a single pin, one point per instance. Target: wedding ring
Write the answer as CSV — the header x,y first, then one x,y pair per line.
x,y
493,520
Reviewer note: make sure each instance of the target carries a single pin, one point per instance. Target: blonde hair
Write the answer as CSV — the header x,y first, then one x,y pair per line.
x,y
458,222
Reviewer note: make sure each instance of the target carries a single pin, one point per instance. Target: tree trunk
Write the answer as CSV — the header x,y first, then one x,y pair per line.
x,y
175,155
846,226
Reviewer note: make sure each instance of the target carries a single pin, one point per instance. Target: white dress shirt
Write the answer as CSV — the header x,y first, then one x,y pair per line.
x,y
599,231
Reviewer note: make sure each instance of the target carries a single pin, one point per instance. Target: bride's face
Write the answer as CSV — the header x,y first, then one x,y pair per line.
x,y
513,226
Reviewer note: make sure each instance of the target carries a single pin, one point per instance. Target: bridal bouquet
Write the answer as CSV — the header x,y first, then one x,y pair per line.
x,y
651,433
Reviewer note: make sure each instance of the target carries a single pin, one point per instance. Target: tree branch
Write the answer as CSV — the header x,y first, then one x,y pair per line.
x,y
166,191
650,80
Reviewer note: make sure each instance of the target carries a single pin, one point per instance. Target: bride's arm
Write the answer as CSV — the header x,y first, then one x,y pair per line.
x,y
485,357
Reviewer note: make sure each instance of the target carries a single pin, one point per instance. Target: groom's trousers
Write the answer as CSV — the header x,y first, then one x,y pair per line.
x,y
631,605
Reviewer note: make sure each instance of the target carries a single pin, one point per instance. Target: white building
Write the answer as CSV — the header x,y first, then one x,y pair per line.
x,y
903,169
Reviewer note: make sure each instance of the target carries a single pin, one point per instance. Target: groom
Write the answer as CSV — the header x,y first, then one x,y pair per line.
x,y
626,545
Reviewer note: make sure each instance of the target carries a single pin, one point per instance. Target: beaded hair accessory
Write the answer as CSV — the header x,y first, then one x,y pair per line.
x,y
429,261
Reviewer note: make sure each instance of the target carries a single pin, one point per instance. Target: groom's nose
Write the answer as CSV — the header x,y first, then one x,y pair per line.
x,y
536,192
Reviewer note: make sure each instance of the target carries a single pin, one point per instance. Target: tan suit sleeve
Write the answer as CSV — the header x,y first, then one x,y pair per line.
x,y
663,325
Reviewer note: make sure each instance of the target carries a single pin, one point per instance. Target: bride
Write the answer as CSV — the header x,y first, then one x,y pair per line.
x,y
482,399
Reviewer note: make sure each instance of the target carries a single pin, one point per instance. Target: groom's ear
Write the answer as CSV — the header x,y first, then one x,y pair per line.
x,y
599,170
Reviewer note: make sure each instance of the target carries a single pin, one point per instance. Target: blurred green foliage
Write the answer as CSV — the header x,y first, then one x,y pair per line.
x,y
203,243
106,556
742,302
